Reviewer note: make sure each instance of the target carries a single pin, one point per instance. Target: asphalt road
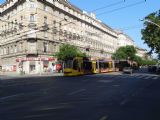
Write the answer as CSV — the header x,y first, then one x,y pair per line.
x,y
90,97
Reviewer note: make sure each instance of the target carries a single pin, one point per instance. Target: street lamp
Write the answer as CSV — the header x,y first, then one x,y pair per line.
x,y
149,21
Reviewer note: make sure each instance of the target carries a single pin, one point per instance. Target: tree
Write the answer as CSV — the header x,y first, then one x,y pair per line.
x,y
138,59
151,31
68,51
125,53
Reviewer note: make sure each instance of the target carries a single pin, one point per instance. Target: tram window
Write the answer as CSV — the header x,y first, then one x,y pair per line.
x,y
68,64
87,65
104,65
116,65
100,65
107,65
75,64
96,65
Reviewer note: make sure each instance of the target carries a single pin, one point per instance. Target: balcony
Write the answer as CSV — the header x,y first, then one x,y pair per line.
x,y
32,25
31,52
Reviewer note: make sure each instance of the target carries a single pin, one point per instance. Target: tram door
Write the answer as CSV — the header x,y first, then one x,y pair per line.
x,y
94,67
110,66
78,65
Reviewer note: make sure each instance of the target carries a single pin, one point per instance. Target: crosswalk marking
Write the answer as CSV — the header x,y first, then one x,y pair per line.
x,y
155,78
148,77
126,76
140,77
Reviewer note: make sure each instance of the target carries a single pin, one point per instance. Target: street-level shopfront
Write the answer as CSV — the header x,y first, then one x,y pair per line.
x,y
34,65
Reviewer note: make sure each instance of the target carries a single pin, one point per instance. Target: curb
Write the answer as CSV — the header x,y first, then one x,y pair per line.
x,y
4,77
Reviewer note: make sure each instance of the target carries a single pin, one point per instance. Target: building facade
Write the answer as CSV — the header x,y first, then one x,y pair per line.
x,y
124,39
143,53
31,31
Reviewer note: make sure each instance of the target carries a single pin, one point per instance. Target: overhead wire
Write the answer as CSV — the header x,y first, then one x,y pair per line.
x,y
117,9
131,27
109,5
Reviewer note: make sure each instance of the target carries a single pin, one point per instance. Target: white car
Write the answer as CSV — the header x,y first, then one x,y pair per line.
x,y
127,70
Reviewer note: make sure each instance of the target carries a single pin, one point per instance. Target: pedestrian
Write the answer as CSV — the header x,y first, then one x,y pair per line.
x,y
53,68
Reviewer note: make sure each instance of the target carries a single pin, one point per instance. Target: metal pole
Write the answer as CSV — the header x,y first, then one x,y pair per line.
x,y
40,64
151,22
98,65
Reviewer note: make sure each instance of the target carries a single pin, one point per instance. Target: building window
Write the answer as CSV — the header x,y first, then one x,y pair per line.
x,y
0,51
45,8
32,5
21,18
8,51
32,18
32,46
11,49
45,46
45,20
45,34
5,51
15,48
21,47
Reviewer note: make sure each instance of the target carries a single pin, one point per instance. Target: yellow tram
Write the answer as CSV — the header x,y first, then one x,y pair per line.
x,y
106,66
82,66
78,66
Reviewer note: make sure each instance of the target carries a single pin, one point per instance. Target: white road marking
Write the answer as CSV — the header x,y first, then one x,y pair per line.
x,y
105,81
123,102
116,85
148,77
35,116
155,78
78,91
67,106
125,76
104,118
10,96
140,76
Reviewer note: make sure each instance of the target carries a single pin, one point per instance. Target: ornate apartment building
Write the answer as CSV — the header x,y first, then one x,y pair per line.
x,y
124,39
142,53
31,31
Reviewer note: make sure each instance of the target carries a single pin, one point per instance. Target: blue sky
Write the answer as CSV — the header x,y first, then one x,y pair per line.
x,y
127,18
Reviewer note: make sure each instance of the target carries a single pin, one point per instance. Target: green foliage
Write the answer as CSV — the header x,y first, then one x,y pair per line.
x,y
143,62
148,62
129,52
138,59
125,53
151,32
67,52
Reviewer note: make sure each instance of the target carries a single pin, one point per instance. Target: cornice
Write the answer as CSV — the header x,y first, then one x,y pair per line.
x,y
11,7
70,5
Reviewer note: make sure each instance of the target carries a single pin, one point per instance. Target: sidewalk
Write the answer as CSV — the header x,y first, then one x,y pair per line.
x,y
14,75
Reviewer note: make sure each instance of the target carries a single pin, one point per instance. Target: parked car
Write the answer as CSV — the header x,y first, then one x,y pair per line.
x,y
152,68
149,68
127,70
158,70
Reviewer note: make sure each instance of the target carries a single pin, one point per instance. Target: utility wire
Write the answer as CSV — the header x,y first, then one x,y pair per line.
x,y
109,5
117,9
131,27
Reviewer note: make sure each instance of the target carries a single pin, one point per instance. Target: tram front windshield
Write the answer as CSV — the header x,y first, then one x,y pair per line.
x,y
68,64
